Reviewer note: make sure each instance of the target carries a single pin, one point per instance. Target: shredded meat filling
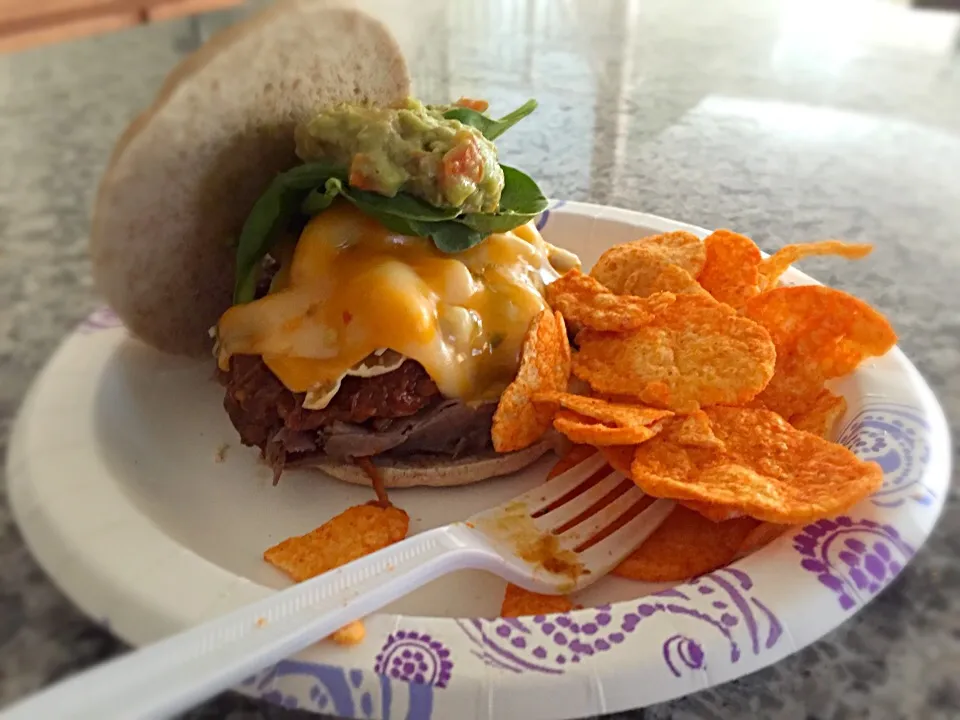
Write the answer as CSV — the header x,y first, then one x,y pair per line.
x,y
401,412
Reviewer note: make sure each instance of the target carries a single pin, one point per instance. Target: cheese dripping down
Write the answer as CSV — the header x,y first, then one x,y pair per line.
x,y
352,289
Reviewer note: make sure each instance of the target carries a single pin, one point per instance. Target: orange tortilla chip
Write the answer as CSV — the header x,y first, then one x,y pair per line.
x,y
820,333
796,383
518,602
611,413
773,267
760,537
695,353
674,279
684,546
731,272
647,264
582,429
648,257
544,367
357,531
768,469
619,457
822,416
570,459
584,301
836,328
680,248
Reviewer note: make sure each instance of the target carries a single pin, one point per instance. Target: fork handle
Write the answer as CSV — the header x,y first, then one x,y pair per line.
x,y
168,677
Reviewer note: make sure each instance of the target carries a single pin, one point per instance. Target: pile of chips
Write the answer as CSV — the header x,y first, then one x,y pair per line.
x,y
697,375
701,378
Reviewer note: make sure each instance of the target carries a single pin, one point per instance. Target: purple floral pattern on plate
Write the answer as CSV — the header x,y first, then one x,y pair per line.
x,y
416,658
343,693
101,319
854,558
897,438
721,602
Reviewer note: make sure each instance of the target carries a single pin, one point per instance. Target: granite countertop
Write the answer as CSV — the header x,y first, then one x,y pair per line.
x,y
785,120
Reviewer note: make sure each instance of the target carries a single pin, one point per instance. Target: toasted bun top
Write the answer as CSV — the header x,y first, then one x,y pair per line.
x,y
186,173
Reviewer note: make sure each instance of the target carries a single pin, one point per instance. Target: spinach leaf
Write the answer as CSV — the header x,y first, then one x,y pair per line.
x,y
454,237
400,205
271,214
491,129
450,236
319,199
520,202
520,193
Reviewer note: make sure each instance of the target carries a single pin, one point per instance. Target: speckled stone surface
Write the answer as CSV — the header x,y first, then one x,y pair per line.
x,y
785,120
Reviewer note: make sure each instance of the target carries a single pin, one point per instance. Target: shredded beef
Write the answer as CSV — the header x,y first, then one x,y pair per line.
x,y
367,416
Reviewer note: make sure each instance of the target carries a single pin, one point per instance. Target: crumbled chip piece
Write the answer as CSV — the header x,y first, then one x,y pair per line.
x,y
650,254
350,634
820,333
684,546
518,602
822,416
357,531
695,353
731,272
544,367
694,430
575,455
773,267
768,469
585,302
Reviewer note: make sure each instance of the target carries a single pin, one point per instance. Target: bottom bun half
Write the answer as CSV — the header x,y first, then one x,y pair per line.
x,y
429,470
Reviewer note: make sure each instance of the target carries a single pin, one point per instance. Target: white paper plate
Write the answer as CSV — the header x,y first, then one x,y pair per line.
x,y
118,485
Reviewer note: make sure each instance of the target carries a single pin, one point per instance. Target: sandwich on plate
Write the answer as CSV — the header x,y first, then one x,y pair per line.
x,y
361,264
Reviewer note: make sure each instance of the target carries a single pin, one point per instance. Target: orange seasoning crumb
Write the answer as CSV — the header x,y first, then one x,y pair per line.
x,y
478,105
261,622
350,634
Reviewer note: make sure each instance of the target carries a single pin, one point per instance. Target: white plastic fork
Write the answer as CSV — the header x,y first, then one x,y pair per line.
x,y
561,536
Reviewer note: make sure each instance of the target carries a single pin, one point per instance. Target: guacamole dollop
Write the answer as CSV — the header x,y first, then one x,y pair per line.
x,y
412,148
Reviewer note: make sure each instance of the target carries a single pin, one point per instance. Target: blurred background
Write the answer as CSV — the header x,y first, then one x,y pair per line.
x,y
28,24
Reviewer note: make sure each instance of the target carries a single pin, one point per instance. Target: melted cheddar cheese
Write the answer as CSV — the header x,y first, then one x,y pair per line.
x,y
353,288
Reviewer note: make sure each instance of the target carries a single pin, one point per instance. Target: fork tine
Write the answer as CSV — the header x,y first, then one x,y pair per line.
x,y
552,490
569,510
612,549
601,519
